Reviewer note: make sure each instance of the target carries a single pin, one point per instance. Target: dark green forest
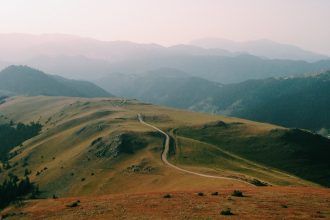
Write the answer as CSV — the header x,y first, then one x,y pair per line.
x,y
296,102
12,135
13,189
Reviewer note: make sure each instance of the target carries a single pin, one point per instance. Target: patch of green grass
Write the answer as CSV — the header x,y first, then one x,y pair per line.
x,y
294,151
195,153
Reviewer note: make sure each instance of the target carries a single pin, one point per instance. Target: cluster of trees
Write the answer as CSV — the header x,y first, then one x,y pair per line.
x,y
13,189
12,135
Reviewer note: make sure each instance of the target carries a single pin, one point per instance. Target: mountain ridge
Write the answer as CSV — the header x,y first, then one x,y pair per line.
x,y
263,48
87,59
280,100
23,80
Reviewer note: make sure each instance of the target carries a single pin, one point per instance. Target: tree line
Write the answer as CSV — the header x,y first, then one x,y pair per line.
x,y
12,135
13,189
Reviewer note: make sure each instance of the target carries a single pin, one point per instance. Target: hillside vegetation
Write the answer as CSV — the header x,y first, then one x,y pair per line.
x,y
12,135
97,146
302,102
294,151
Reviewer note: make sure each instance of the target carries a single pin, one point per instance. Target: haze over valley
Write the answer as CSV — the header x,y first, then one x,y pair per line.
x,y
164,109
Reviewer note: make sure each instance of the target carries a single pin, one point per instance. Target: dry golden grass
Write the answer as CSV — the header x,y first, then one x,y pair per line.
x,y
72,124
111,190
258,203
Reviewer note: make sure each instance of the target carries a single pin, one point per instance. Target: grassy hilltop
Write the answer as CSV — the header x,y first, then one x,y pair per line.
x,y
92,147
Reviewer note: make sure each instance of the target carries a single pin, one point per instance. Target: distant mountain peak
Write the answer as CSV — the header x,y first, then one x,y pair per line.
x,y
262,48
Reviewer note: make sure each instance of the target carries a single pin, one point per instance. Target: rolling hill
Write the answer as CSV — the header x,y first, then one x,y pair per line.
x,y
292,102
103,136
23,80
89,148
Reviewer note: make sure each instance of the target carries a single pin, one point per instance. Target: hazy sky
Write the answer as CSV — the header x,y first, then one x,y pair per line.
x,y
301,22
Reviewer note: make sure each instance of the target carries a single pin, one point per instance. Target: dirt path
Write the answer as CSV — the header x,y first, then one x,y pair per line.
x,y
166,150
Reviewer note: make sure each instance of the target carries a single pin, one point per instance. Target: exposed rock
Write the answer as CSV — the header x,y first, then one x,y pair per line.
x,y
113,146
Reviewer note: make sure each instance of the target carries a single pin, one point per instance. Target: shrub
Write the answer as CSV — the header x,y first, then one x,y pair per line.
x,y
214,193
167,196
226,212
237,193
73,204
200,194
83,179
257,182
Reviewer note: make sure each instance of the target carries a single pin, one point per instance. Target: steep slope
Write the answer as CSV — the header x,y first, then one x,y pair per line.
x,y
295,151
164,86
223,69
293,102
23,80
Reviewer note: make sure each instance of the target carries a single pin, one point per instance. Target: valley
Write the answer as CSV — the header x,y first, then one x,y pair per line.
x,y
295,102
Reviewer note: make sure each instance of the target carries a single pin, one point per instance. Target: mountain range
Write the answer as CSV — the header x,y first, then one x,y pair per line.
x,y
289,101
86,58
261,48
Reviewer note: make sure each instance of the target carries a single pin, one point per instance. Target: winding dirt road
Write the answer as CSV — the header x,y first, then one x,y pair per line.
x,y
166,150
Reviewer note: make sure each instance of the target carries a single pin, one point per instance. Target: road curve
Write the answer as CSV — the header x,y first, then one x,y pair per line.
x,y
166,150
